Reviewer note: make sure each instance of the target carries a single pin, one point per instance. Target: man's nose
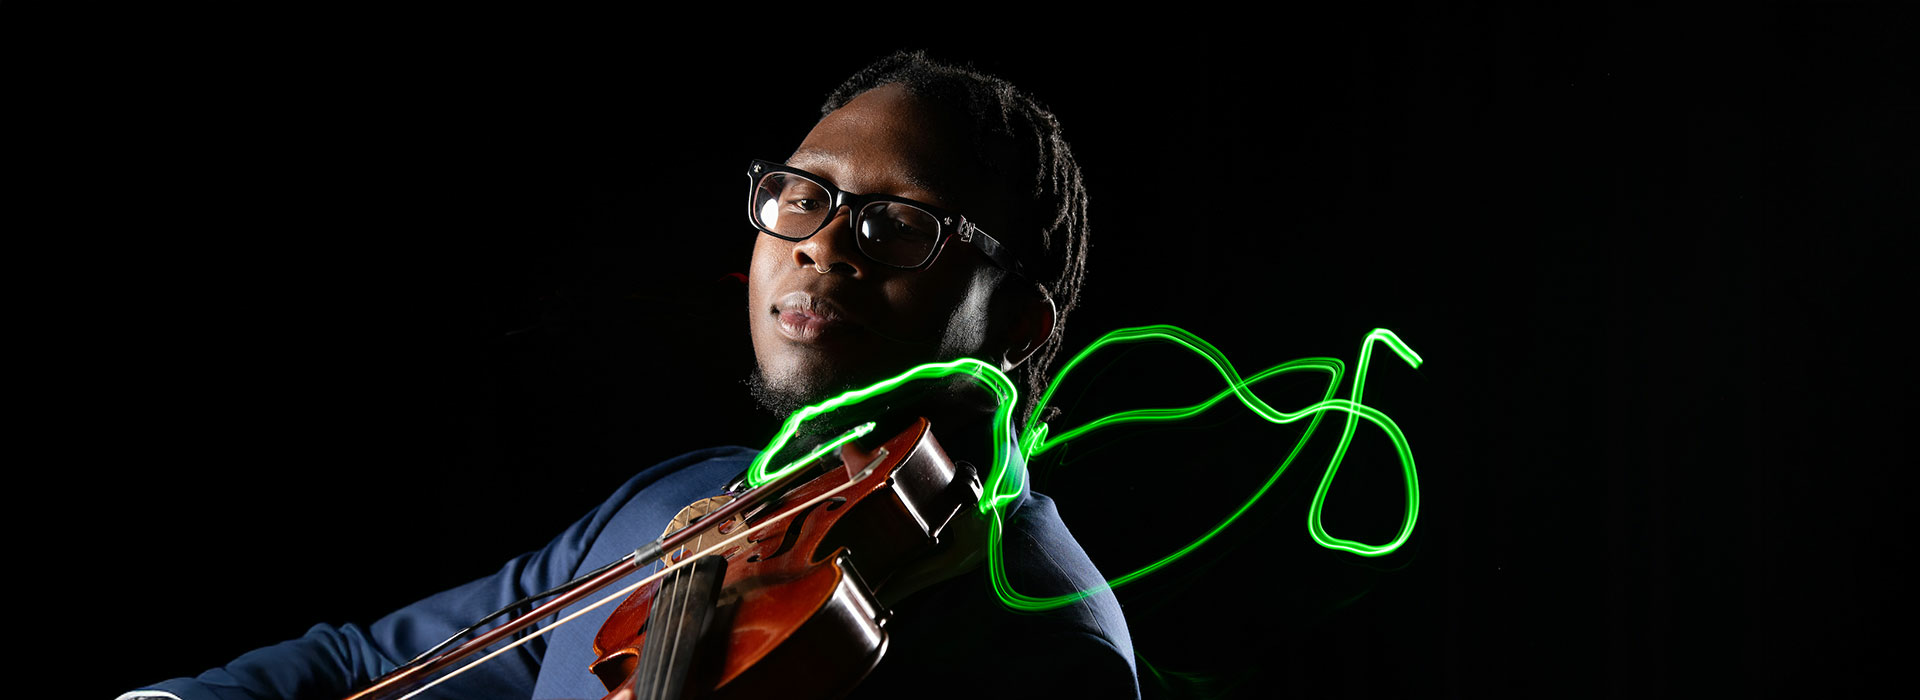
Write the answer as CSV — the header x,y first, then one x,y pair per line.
x,y
832,249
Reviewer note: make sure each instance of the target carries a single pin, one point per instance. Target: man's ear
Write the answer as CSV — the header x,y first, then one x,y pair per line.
x,y
1032,326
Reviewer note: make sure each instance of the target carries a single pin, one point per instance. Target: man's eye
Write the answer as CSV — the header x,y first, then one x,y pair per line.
x,y
887,228
907,229
804,203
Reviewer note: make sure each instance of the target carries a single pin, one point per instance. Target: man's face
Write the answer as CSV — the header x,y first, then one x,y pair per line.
x,y
824,317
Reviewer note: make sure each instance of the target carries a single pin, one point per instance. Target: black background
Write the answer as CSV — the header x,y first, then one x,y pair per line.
x,y
328,312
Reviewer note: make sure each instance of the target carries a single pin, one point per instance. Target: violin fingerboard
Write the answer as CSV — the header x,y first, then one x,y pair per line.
x,y
678,628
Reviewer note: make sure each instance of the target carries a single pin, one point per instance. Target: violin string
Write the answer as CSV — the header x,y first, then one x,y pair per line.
x,y
650,662
670,615
684,584
624,592
511,607
678,609
667,597
666,583
681,610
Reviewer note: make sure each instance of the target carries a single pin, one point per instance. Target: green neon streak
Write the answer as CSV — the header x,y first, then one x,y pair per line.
x,y
1355,411
1006,479
1000,479
830,446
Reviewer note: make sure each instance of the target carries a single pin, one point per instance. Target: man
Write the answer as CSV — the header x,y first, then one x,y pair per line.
x,y
933,213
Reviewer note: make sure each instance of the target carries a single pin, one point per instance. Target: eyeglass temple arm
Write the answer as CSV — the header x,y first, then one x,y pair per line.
x,y
996,252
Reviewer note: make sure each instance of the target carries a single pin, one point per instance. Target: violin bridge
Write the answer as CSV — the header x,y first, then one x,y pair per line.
x,y
693,513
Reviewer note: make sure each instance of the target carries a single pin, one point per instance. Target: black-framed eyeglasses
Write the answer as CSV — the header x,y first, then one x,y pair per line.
x,y
793,204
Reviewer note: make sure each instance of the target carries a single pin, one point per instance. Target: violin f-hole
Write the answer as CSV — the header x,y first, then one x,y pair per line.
x,y
795,525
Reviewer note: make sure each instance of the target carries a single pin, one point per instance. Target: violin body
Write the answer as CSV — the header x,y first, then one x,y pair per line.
x,y
798,610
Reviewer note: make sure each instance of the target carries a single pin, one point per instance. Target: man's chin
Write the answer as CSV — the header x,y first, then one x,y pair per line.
x,y
783,396
778,398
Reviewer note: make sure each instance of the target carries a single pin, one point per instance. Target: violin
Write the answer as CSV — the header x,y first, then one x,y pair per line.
x,y
783,589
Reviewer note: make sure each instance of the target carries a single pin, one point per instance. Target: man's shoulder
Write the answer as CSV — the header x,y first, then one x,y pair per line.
x,y
642,505
1043,559
698,465
961,633
712,455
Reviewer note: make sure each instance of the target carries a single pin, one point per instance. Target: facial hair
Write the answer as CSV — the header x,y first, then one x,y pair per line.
x,y
779,398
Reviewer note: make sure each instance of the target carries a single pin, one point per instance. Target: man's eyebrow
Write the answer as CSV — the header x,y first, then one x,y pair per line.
x,y
919,179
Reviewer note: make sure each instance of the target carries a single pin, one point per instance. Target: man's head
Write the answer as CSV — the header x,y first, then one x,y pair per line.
x,y
828,313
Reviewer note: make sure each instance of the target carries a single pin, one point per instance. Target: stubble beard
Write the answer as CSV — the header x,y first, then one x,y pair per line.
x,y
784,393
777,396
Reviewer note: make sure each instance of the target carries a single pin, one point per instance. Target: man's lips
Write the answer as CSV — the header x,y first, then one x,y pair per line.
x,y
808,318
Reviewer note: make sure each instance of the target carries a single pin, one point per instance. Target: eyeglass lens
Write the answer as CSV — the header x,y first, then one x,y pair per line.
x,y
893,233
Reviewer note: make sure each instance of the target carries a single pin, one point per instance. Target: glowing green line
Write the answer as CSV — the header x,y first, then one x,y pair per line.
x,y
1355,411
830,446
1006,479
1000,478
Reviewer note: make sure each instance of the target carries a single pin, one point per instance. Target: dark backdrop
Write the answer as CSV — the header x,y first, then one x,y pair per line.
x,y
331,312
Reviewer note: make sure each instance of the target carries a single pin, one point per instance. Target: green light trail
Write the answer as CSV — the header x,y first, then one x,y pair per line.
x,y
1000,480
1007,477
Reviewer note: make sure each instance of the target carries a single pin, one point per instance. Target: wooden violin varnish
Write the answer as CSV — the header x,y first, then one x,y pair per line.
x,y
795,609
